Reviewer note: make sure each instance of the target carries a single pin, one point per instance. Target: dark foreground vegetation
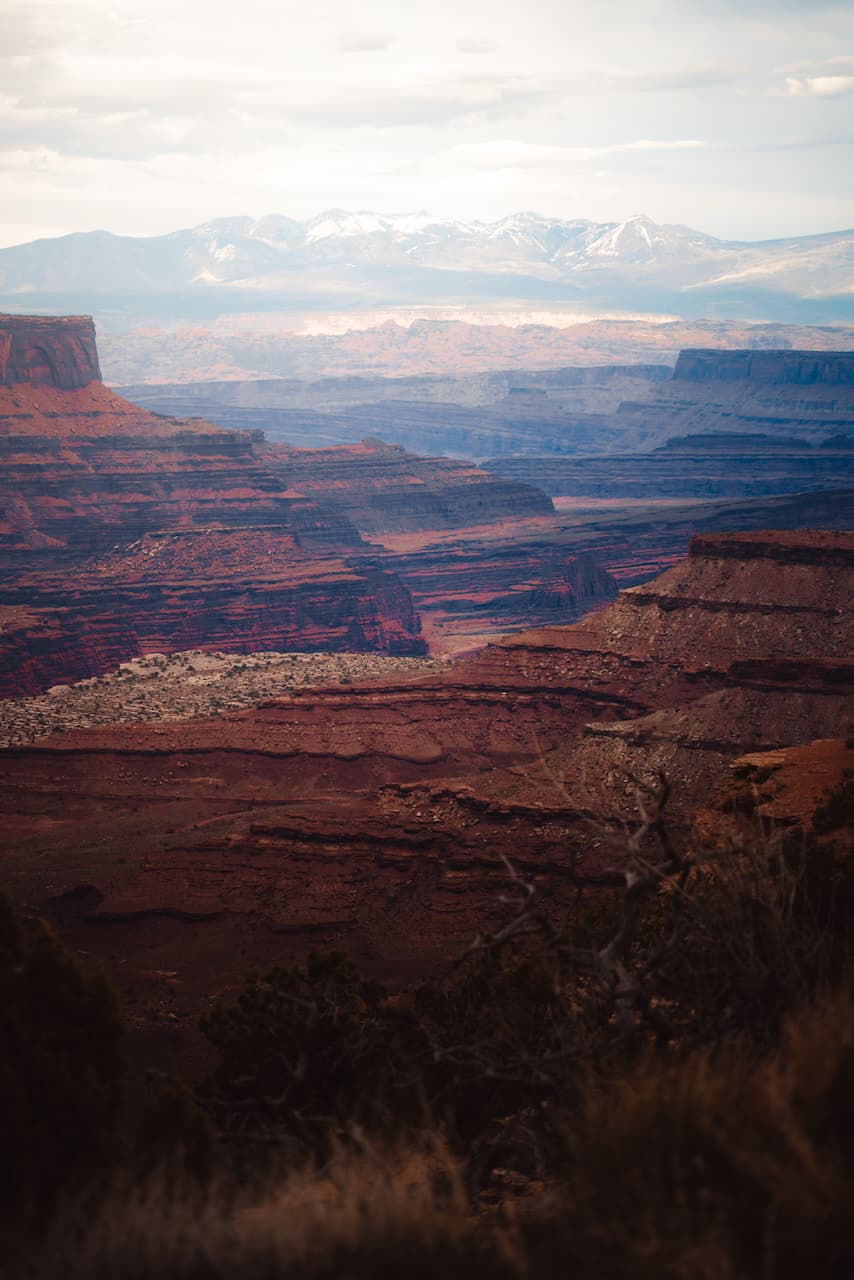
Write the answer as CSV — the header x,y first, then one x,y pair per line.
x,y
660,1086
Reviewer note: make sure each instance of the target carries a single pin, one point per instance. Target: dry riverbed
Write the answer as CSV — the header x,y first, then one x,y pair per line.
x,y
181,686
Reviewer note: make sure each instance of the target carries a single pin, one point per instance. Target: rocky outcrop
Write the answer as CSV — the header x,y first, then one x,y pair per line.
x,y
807,395
242,590
45,352
465,415
794,796
468,589
42,646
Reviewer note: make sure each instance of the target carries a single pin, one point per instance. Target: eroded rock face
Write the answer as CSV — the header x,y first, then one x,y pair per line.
x,y
122,532
375,817
47,352
788,796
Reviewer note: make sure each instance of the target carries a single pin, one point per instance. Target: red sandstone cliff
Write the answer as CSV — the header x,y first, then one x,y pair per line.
x,y
374,817
41,351
85,474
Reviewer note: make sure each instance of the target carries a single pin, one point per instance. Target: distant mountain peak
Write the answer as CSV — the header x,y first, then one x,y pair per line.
x,y
352,258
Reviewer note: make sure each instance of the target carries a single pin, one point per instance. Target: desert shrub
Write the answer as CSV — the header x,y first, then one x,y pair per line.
x,y
306,1051
709,1166
741,948
512,1025
60,1070
500,1035
174,1140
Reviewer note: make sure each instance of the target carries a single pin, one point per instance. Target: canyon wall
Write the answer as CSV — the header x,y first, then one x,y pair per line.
x,y
374,817
718,465
465,415
95,491
382,489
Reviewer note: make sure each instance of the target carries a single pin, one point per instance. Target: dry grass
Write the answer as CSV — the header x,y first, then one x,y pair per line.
x,y
365,1215
710,1168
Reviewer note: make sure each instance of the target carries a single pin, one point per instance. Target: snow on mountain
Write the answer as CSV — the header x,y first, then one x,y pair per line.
x,y
365,256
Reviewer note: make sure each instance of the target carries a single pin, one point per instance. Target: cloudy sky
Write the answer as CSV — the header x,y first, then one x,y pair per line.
x,y
141,116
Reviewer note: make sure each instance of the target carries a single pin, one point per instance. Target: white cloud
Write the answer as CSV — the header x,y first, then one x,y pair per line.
x,y
143,115
819,86
475,46
508,153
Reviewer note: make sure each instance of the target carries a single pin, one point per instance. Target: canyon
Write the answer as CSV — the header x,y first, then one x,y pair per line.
x,y
374,816
187,794
392,343
124,532
784,417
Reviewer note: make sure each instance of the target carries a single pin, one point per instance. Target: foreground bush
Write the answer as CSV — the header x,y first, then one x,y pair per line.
x,y
693,953
669,1077
715,1167
367,1217
306,1051
707,1168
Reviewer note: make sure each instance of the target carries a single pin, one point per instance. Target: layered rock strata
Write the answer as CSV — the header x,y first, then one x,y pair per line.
x,y
697,466
122,532
375,817
794,796
382,489
42,351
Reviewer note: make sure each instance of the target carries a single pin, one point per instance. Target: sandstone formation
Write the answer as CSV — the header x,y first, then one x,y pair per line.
x,y
374,816
45,352
190,684
790,393
477,416
473,586
560,428
784,797
775,368
123,532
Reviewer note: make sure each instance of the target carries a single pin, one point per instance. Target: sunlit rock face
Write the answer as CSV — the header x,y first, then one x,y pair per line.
x,y
48,352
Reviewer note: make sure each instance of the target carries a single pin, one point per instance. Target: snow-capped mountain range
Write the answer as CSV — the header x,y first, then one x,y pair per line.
x,y
347,258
